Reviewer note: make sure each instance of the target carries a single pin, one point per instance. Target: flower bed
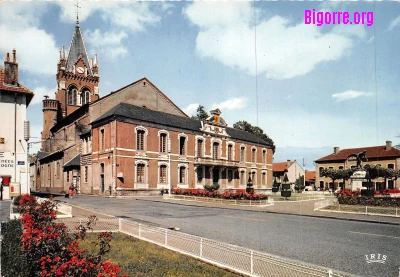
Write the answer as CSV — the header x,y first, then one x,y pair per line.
x,y
383,199
51,251
239,194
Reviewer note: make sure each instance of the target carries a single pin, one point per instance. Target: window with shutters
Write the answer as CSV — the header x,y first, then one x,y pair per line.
x,y
163,143
215,150
264,156
253,178
253,155
182,146
102,138
182,175
140,173
242,154
242,177
163,174
230,147
200,148
140,140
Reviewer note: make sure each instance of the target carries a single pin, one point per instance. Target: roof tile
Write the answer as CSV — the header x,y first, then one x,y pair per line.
x,y
372,152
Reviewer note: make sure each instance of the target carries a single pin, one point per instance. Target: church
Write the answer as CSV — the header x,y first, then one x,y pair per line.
x,y
136,140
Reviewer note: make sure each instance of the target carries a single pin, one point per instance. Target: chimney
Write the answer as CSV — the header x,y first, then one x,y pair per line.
x,y
388,145
335,150
11,70
287,163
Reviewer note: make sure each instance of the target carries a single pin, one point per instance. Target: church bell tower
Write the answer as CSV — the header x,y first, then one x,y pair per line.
x,y
77,84
77,76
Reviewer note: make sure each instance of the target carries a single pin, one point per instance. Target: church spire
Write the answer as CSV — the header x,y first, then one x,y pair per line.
x,y
77,51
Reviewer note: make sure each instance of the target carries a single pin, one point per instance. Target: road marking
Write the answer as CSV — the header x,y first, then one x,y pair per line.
x,y
375,235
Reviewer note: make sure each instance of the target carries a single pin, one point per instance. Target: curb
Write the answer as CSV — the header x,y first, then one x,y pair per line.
x,y
274,212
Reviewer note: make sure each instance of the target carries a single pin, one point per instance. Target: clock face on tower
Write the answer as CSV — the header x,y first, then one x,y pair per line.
x,y
80,69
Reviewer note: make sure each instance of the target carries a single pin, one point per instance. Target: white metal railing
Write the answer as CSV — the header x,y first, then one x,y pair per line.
x,y
296,197
239,259
259,203
100,224
367,210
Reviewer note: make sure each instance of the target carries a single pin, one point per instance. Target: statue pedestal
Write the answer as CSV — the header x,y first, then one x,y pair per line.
x,y
357,179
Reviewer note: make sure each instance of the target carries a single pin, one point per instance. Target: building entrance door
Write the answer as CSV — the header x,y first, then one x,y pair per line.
x,y
215,175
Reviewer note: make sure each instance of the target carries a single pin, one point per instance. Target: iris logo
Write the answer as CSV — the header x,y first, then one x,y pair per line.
x,y
375,258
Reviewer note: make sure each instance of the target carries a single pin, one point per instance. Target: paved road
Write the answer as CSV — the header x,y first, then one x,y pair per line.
x,y
337,244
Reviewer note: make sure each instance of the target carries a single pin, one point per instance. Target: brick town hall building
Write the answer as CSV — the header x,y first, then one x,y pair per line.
x,y
136,140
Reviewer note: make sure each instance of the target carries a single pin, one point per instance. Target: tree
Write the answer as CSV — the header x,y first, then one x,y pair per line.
x,y
255,130
299,183
377,171
337,174
201,113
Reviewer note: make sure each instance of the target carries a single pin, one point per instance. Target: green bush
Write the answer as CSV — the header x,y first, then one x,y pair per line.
x,y
13,261
16,200
212,187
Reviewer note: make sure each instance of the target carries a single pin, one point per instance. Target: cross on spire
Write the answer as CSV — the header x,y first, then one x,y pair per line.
x,y
77,12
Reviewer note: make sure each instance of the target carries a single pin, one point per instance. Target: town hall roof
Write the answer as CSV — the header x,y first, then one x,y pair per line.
x,y
18,88
77,51
125,111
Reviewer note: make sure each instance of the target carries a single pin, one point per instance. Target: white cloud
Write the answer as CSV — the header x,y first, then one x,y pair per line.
x,y
191,109
350,30
42,91
394,23
131,15
349,94
108,43
36,50
284,50
231,104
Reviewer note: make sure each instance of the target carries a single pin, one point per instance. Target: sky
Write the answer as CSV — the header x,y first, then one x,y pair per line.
x,y
309,87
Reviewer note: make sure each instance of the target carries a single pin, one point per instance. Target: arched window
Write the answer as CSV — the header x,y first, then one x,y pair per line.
x,y
85,95
253,155
72,95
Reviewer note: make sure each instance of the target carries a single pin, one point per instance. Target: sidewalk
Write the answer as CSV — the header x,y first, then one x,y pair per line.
x,y
5,210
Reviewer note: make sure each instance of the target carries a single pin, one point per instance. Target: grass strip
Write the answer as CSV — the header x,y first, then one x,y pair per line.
x,y
140,258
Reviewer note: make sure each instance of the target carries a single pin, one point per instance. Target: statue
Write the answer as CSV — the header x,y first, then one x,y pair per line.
x,y
360,157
